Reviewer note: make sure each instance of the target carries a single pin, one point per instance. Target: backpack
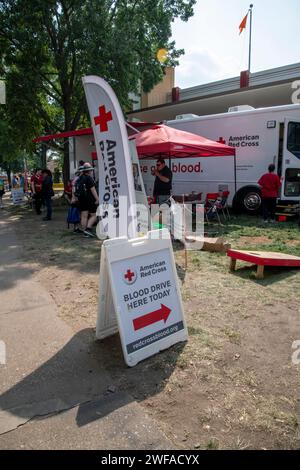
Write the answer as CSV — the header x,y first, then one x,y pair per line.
x,y
80,190
73,216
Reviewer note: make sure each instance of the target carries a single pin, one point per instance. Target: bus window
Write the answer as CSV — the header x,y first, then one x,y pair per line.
x,y
293,140
292,182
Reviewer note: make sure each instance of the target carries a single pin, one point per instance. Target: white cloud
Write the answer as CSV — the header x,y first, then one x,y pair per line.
x,y
200,66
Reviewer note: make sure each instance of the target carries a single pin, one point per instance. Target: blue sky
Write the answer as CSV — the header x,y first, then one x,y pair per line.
x,y
215,51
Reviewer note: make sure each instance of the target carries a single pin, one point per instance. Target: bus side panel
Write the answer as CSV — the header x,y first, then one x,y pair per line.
x,y
256,145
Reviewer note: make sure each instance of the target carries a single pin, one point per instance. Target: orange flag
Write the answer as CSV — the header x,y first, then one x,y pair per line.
x,y
243,24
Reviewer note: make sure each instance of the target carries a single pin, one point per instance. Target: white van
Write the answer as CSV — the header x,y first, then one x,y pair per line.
x,y
260,136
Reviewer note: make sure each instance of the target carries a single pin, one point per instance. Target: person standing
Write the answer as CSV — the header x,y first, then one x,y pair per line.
x,y
74,212
2,191
21,181
36,188
15,182
270,184
163,182
88,199
47,192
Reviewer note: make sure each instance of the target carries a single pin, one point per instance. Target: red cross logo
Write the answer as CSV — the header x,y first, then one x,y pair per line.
x,y
103,119
130,276
222,141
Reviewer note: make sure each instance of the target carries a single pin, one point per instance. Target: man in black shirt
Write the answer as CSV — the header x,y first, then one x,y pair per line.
x,y
47,192
163,182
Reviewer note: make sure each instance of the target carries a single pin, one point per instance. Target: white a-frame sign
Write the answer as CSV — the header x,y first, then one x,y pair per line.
x,y
140,295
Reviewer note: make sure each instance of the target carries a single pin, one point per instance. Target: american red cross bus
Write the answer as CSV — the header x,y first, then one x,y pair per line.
x,y
260,136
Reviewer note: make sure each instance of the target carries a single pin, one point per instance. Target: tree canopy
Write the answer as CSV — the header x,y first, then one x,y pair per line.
x,y
47,46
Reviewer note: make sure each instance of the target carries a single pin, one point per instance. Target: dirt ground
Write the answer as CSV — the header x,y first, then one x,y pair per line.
x,y
233,384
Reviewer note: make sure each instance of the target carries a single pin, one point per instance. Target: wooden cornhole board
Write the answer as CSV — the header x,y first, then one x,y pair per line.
x,y
262,259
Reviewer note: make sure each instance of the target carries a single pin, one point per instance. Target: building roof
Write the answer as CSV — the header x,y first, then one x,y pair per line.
x,y
267,88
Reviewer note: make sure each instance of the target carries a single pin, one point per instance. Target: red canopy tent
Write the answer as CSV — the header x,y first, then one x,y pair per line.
x,y
164,141
161,141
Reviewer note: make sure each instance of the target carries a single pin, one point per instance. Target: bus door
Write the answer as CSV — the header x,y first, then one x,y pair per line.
x,y
290,188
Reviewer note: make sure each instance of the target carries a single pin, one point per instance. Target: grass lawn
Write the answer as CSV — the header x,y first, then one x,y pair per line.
x,y
252,232
233,384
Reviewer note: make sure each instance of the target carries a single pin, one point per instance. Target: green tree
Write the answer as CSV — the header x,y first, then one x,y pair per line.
x,y
49,45
8,152
13,143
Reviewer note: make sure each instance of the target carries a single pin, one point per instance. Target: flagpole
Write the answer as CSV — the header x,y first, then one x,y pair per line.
x,y
250,38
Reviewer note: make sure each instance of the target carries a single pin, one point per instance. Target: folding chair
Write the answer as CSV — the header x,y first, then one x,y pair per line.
x,y
212,203
222,204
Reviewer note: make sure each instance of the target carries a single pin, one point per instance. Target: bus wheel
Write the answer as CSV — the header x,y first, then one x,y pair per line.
x,y
249,200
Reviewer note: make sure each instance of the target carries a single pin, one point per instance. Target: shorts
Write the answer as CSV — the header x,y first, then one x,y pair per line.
x,y
87,206
163,199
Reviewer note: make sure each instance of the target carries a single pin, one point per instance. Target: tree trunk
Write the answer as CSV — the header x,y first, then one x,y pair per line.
x,y
44,156
66,165
8,172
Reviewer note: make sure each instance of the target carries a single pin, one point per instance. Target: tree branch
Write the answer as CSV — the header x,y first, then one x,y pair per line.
x,y
77,116
36,69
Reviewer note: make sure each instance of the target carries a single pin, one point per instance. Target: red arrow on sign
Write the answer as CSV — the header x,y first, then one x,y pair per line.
x,y
161,314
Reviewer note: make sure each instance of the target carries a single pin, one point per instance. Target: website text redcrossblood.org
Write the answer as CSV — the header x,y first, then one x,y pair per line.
x,y
156,337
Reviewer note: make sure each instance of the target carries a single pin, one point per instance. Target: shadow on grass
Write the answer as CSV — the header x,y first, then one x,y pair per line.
x,y
49,243
271,274
53,244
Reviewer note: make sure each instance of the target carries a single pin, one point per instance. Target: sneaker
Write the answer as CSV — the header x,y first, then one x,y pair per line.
x,y
77,230
87,233
45,219
265,221
272,221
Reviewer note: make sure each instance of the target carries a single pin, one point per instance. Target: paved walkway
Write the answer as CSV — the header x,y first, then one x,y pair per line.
x,y
53,388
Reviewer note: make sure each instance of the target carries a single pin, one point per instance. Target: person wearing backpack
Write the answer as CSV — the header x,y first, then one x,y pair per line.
x,y
88,199
47,192
73,217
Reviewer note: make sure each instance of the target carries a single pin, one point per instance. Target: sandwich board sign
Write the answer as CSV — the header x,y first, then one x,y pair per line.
x,y
139,275
17,196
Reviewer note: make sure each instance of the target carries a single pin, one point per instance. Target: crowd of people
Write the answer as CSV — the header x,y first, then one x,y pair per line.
x,y
80,192
38,185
